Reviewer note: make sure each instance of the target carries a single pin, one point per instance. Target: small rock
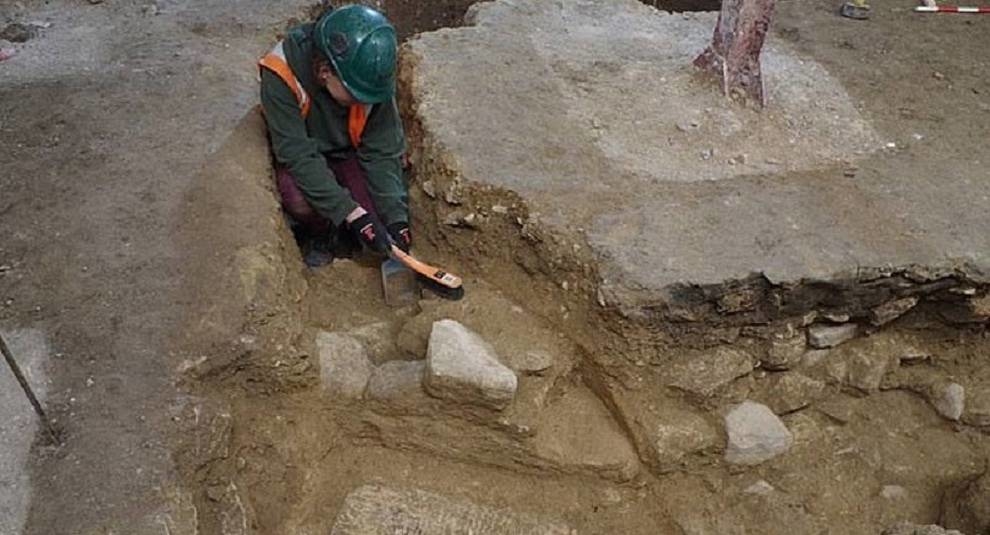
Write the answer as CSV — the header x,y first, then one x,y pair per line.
x,y
429,189
892,310
344,365
395,380
463,368
893,492
793,391
707,373
950,400
499,209
977,410
825,336
755,434
531,362
94,2
707,154
760,488
938,76
738,159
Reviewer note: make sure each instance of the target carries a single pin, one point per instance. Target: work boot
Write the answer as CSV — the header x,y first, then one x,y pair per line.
x,y
317,251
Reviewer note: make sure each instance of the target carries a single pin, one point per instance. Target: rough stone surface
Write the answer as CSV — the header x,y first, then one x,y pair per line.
x,y
977,410
463,368
791,391
892,310
866,369
396,380
784,353
706,373
825,336
907,528
605,85
755,434
531,362
669,432
344,365
381,510
950,401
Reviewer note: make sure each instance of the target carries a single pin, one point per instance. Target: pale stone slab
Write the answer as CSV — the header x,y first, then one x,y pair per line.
x,y
755,434
463,368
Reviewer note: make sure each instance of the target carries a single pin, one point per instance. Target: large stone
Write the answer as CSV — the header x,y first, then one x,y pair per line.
x,y
396,380
977,410
704,374
381,510
866,369
755,434
791,391
463,368
675,434
344,365
825,336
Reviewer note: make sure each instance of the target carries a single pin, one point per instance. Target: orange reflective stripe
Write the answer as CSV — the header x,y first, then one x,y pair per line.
x,y
275,62
357,119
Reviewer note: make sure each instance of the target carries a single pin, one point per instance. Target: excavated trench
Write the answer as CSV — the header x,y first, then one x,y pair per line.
x,y
618,424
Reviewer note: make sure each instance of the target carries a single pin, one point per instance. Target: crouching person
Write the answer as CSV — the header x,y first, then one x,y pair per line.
x,y
328,95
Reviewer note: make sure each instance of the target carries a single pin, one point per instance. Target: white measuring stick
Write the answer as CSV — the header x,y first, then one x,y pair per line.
x,y
952,9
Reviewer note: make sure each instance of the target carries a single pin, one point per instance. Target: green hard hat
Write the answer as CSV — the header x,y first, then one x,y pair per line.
x,y
361,45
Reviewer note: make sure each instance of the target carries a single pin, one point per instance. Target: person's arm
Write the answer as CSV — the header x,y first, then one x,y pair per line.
x,y
294,148
380,153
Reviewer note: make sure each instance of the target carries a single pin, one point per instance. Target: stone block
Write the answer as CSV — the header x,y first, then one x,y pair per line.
x,y
344,365
755,434
708,372
381,510
826,336
463,368
396,380
791,391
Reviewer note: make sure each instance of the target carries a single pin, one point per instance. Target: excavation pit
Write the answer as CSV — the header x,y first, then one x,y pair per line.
x,y
626,376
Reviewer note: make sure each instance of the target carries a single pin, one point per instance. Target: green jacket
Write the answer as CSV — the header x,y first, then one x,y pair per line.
x,y
302,145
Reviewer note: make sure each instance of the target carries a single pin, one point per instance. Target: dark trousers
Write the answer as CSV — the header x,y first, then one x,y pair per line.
x,y
350,175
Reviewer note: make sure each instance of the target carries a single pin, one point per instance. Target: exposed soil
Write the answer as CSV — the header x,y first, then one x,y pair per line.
x,y
296,454
148,243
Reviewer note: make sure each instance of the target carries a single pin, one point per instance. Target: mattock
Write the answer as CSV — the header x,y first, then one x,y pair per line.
x,y
734,55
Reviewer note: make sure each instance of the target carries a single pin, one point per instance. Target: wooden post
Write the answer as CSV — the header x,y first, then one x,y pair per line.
x,y
734,55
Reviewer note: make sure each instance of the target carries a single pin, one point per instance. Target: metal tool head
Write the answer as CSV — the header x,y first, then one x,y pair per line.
x,y
399,284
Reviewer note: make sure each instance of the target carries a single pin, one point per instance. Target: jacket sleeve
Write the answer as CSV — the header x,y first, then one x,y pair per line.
x,y
380,153
295,149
